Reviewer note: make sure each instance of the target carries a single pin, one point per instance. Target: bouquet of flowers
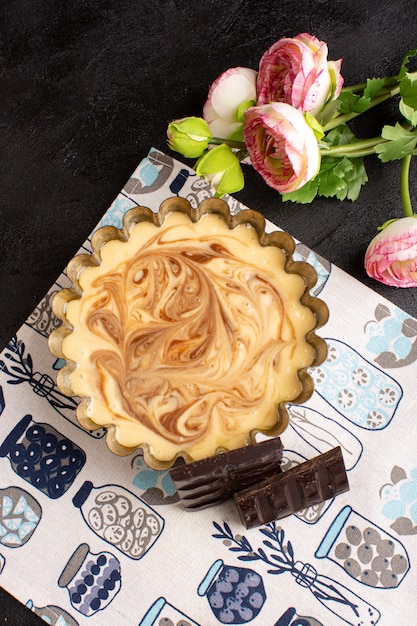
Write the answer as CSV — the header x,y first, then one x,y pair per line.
x,y
289,120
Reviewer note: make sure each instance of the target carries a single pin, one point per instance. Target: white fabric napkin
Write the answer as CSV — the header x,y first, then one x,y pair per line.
x,y
90,538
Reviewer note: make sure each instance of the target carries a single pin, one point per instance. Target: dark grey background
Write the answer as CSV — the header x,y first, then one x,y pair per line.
x,y
87,87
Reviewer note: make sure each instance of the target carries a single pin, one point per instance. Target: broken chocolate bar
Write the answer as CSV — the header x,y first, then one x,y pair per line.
x,y
306,484
212,480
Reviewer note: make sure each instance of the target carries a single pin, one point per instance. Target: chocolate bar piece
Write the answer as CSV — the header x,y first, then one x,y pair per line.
x,y
306,484
212,480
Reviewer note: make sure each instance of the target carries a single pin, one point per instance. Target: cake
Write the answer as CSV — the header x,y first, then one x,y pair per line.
x,y
187,331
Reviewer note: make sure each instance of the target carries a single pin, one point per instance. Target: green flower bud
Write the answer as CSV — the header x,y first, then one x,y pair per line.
x,y
189,136
221,167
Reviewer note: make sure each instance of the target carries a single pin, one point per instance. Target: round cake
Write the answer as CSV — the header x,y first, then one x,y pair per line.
x,y
187,331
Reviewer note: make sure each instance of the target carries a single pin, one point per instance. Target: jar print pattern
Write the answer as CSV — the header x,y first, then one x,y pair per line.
x,y
20,514
235,594
355,388
372,559
42,456
162,613
92,580
364,550
52,614
119,517
291,618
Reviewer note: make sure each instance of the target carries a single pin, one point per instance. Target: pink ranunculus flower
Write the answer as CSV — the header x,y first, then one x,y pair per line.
x,y
296,71
391,257
230,94
281,145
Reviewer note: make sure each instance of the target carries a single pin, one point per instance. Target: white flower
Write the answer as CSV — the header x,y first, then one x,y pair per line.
x,y
228,98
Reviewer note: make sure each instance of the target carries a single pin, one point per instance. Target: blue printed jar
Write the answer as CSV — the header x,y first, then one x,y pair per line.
x,y
42,456
236,595
92,580
20,515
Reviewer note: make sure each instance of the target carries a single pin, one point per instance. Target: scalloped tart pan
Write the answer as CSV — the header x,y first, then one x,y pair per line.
x,y
187,331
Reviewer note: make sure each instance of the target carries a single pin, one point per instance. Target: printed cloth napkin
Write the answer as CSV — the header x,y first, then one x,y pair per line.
x,y
87,537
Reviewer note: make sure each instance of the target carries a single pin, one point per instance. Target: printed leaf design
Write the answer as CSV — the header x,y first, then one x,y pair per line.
x,y
409,328
404,526
398,474
290,550
133,185
381,311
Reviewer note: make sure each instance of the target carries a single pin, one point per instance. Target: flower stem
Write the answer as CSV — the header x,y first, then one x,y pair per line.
x,y
360,148
346,117
388,81
237,145
404,185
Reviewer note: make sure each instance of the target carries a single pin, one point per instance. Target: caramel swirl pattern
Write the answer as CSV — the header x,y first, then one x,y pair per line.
x,y
192,337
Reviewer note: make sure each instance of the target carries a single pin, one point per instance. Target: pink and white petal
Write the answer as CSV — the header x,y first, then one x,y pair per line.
x,y
236,87
318,92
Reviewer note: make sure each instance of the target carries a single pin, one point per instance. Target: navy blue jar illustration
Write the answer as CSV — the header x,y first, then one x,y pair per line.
x,y
92,580
42,456
119,517
235,594
20,514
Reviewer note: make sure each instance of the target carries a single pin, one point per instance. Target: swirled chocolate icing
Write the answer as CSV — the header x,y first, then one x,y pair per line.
x,y
187,336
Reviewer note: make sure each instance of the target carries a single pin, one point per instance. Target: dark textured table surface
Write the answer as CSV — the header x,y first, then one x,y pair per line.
x,y
87,87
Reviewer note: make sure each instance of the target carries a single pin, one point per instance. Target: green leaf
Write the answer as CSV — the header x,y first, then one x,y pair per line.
x,y
404,66
351,102
408,93
342,178
328,112
373,87
305,195
338,177
348,101
331,178
339,136
355,178
408,89
400,142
